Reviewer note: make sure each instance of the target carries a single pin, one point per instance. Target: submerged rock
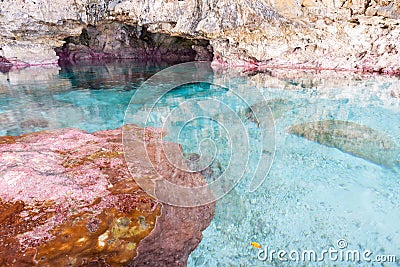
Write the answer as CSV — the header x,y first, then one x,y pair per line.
x,y
355,139
67,198
31,123
5,65
278,108
395,93
230,209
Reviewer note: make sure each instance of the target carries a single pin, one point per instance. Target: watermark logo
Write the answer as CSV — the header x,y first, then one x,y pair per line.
x,y
216,121
342,244
339,253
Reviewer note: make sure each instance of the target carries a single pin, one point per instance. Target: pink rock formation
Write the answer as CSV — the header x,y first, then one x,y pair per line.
x,y
67,198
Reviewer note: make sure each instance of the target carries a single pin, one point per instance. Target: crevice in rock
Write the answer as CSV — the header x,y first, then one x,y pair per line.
x,y
114,40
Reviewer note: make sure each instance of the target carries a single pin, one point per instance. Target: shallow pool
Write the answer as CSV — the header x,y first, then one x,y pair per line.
x,y
334,182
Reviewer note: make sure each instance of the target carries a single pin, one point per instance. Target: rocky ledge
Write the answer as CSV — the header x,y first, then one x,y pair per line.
x,y
333,34
67,198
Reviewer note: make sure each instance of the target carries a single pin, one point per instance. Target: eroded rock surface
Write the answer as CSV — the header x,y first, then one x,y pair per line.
x,y
67,198
395,93
338,34
117,40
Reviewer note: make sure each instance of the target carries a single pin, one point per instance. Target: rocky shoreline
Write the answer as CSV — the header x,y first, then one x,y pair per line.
x,y
67,197
335,34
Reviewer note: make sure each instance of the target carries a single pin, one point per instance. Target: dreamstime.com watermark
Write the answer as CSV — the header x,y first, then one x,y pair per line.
x,y
339,253
147,108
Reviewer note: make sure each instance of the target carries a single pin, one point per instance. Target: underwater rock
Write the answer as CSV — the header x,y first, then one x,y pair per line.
x,y
210,173
5,65
67,198
230,209
395,93
355,139
278,108
32,123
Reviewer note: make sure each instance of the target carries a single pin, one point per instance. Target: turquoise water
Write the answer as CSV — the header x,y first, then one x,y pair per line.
x,y
91,98
314,194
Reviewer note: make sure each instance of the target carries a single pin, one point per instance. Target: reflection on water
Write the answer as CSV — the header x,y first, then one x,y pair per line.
x,y
90,97
335,175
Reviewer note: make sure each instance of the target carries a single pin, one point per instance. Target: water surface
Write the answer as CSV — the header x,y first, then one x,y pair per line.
x,y
315,194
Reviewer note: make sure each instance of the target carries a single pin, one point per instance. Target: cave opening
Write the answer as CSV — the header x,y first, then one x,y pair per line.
x,y
114,40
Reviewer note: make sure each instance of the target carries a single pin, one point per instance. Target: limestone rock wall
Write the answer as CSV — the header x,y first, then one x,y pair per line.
x,y
118,40
350,34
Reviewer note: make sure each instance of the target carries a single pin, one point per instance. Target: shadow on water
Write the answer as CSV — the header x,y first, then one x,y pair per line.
x,y
108,73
